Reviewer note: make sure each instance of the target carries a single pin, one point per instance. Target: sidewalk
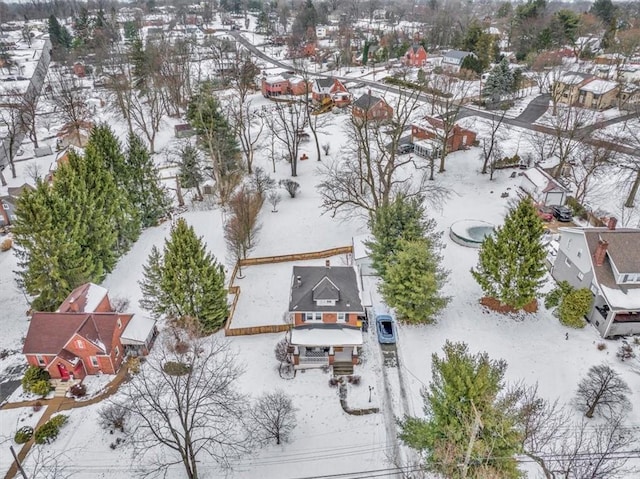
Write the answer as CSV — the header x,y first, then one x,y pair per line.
x,y
60,404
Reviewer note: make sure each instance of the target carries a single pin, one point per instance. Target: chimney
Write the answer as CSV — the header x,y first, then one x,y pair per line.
x,y
298,281
613,221
369,91
601,252
327,263
73,306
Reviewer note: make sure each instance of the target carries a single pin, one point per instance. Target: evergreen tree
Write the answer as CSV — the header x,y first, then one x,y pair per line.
x,y
145,191
413,281
605,10
511,262
403,218
190,169
59,35
51,259
464,407
499,83
106,145
185,281
215,134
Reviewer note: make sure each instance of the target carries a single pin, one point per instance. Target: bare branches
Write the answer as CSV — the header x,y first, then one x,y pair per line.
x,y
287,125
183,413
274,417
67,96
602,390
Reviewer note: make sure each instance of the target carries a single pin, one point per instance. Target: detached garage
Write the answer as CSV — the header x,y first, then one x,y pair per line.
x,y
543,188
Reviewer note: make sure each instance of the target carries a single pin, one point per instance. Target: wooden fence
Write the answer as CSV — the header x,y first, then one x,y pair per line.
x,y
235,290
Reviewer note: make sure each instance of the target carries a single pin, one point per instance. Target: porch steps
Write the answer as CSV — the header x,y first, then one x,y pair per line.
x,y
342,369
61,390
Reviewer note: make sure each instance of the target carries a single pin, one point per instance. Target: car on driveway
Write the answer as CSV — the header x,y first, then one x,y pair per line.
x,y
386,329
562,213
405,148
545,213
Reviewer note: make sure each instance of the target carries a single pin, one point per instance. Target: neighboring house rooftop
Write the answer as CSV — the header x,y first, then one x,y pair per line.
x,y
574,78
367,101
83,299
624,250
543,180
457,54
599,87
311,282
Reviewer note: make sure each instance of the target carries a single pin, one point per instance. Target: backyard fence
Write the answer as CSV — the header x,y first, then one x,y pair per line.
x,y
235,290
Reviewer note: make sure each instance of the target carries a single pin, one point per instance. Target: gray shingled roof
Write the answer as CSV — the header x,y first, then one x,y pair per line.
x,y
325,82
459,54
624,246
343,277
366,101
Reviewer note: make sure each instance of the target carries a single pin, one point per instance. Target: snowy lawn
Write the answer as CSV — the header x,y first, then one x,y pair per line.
x,y
10,421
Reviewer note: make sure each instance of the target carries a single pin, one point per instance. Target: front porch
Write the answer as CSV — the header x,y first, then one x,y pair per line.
x,y
62,386
342,358
611,321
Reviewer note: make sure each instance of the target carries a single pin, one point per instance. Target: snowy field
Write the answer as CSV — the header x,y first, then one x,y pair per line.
x,y
327,440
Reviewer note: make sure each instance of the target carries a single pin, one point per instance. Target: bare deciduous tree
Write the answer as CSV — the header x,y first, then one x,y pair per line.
x,y
602,390
261,181
274,416
242,228
70,101
114,416
274,199
568,126
590,161
491,150
287,124
248,124
184,404
370,172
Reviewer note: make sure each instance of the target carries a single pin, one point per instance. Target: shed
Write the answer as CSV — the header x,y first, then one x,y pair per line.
x,y
184,130
543,188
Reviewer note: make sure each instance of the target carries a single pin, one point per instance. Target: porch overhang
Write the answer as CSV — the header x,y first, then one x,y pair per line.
x,y
326,337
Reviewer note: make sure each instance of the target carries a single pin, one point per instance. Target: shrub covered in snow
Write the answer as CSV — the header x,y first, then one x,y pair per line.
x,y
23,434
49,431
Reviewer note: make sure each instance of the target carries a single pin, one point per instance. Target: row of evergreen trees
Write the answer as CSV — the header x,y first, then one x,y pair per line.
x,y
74,229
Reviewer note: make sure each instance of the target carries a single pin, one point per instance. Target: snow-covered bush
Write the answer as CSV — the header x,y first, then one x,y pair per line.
x,y
23,434
49,431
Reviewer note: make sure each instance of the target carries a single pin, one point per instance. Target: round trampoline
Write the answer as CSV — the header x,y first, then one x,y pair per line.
x,y
470,233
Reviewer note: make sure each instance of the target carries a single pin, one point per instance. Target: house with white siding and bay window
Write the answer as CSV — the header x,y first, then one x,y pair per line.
x,y
607,262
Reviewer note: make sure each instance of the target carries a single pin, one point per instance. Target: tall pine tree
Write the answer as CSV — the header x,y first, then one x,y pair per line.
x,y
499,83
511,262
470,430
404,218
145,191
50,255
413,281
185,281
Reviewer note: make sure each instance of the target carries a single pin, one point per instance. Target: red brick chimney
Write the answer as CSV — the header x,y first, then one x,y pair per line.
x,y
611,224
601,252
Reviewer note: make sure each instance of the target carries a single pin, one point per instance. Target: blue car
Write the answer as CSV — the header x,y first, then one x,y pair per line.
x,y
386,329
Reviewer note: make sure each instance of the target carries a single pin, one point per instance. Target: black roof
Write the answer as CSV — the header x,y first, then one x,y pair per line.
x,y
325,82
325,282
366,101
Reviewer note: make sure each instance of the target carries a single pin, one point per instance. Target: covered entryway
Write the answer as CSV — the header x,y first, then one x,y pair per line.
x,y
64,372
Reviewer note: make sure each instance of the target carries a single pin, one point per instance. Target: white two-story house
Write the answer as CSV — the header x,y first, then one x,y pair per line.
x,y
607,261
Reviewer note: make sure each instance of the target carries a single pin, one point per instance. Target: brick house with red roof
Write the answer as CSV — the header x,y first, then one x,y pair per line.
x,y
416,56
85,336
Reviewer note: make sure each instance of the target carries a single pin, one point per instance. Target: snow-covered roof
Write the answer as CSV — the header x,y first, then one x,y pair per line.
x,y
572,78
360,250
542,181
95,294
599,86
324,336
621,299
138,330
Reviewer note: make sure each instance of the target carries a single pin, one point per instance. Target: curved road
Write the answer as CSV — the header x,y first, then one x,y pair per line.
x,y
525,120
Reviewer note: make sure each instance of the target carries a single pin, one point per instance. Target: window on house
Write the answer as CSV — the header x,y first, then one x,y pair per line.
x,y
342,317
580,276
6,207
94,361
117,351
119,324
318,316
567,261
41,361
79,344
569,243
579,254
308,316
625,278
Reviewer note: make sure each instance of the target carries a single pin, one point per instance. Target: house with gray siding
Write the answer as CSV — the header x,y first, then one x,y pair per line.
x,y
607,262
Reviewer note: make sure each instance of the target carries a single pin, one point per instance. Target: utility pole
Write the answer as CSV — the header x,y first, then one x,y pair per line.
x,y
475,428
18,463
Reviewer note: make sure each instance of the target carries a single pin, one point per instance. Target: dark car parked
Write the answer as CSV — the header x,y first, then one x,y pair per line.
x,y
385,329
405,148
562,213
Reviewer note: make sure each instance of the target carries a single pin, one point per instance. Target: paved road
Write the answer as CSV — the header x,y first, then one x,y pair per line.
x,y
525,120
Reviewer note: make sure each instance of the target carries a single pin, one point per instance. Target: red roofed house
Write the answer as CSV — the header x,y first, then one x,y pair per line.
x,y
324,88
430,128
85,336
416,56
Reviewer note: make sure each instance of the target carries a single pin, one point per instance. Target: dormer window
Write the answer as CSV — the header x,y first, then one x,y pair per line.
x,y
326,302
79,344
